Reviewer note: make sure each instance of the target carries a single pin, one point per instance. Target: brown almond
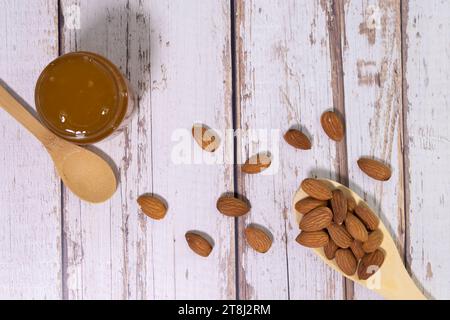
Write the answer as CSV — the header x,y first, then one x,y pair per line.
x,y
332,125
258,239
330,249
232,206
205,137
373,241
198,244
357,249
152,206
346,261
340,235
316,189
256,163
370,264
375,169
367,216
314,239
339,206
317,219
351,204
356,228
297,139
307,204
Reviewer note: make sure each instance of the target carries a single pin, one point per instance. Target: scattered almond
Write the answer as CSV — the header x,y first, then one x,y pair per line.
x,y
357,249
232,206
339,206
258,239
314,239
370,264
307,204
297,139
317,219
205,137
330,249
367,216
356,228
332,125
346,261
257,163
375,169
373,241
198,244
340,235
152,206
316,189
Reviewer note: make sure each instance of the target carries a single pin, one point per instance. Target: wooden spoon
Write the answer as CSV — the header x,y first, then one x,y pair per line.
x,y
391,281
87,175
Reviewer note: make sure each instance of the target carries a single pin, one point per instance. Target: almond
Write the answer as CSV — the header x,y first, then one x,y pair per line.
x,y
375,169
316,189
317,219
373,241
357,249
339,206
314,239
330,249
205,137
332,125
367,216
232,206
257,163
370,264
307,204
198,244
346,261
356,228
340,235
297,139
152,206
258,239
351,204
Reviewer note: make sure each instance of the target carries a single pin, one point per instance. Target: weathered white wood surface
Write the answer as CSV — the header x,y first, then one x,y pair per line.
x,y
30,199
427,75
372,68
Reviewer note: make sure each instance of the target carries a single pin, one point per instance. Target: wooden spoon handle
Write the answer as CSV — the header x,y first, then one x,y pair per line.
x,y
19,112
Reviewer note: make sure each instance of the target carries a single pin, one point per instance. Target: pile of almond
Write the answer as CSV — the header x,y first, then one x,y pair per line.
x,y
347,232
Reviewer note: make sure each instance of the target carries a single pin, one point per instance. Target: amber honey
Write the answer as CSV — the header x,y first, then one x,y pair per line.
x,y
82,97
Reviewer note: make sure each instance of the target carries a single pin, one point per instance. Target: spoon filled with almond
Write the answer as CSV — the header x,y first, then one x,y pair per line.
x,y
349,237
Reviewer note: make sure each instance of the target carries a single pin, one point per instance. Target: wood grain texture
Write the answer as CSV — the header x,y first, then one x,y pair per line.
x,y
177,57
284,81
372,67
427,139
30,234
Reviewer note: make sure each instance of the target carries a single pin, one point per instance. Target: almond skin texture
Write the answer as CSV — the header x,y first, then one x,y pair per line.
x,y
346,261
330,249
258,239
373,242
356,228
297,139
314,239
317,219
232,207
375,169
370,264
152,207
367,216
357,249
339,206
198,244
307,204
205,137
351,204
340,235
257,163
332,125
316,189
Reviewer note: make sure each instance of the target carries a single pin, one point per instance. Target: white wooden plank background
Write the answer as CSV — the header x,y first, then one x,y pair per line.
x,y
384,64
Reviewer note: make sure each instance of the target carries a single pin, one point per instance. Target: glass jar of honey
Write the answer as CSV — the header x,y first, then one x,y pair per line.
x,y
83,97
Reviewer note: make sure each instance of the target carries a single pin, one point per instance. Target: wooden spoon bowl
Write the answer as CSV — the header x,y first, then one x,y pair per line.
x,y
391,281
